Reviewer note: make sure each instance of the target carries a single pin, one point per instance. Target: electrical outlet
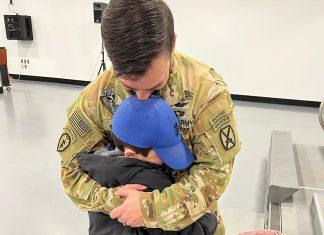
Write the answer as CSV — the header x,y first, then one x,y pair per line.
x,y
24,62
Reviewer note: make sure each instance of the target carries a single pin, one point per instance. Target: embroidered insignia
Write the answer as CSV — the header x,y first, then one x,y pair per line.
x,y
79,125
181,104
180,110
108,99
179,113
188,95
64,142
219,119
227,137
186,123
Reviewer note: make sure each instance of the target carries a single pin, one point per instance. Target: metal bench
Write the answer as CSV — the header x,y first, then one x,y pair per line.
x,y
317,211
282,179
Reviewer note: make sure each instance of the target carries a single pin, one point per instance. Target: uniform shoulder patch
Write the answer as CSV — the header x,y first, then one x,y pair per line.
x,y
64,142
67,138
219,119
227,137
107,97
79,125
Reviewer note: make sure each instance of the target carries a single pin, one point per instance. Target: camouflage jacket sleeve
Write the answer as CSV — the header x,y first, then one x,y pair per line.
x,y
215,143
82,134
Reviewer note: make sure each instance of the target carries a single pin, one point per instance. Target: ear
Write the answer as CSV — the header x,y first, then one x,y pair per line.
x,y
129,153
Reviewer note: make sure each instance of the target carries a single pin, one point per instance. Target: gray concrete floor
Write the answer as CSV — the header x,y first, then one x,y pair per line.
x,y
32,200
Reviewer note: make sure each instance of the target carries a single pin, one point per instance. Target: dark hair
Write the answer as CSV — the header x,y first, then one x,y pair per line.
x,y
122,145
135,33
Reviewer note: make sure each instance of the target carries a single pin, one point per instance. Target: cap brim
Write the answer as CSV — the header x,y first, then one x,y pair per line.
x,y
177,157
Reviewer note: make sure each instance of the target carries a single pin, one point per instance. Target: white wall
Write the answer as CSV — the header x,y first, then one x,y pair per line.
x,y
262,48
66,40
265,48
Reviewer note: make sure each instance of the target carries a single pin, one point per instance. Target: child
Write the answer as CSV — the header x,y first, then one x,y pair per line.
x,y
149,142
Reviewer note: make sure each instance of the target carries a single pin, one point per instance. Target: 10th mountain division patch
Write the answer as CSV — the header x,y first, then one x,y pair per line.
x,y
227,137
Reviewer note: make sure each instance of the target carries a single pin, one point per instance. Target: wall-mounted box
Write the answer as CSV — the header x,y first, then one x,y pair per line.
x,y
18,27
98,9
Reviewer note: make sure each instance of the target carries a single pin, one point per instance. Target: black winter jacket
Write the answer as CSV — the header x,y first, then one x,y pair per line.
x,y
115,170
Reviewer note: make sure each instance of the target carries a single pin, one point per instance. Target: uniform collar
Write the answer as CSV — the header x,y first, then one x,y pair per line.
x,y
172,92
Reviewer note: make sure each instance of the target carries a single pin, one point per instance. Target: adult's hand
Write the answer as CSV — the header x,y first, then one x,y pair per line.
x,y
129,213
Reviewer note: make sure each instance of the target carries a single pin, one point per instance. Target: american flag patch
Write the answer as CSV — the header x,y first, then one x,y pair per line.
x,y
80,126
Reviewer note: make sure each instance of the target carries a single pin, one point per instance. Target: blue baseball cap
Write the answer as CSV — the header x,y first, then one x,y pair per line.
x,y
152,124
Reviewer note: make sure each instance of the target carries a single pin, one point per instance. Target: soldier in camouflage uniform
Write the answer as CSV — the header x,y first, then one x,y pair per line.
x,y
195,92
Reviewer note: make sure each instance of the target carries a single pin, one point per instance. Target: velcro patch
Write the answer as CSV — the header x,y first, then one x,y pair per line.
x,y
108,99
227,137
180,110
64,142
215,115
188,95
80,126
219,119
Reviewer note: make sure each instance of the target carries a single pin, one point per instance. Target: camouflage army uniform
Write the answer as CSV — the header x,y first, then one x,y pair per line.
x,y
203,105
